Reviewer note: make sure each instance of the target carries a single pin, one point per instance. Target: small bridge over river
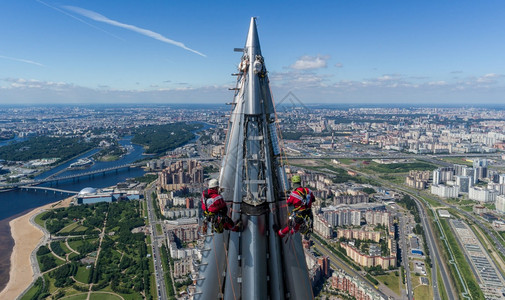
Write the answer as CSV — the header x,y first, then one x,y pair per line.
x,y
44,188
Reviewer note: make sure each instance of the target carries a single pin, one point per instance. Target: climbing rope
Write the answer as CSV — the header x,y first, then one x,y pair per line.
x,y
229,275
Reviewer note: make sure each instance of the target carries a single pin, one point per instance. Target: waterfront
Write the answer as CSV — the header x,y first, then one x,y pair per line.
x,y
18,202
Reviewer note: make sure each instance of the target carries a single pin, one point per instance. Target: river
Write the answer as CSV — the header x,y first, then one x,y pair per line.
x,y
19,202
16,139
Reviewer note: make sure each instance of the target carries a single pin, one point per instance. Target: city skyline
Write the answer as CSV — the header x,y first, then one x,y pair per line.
x,y
159,52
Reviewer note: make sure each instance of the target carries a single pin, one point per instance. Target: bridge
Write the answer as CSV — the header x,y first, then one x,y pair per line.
x,y
426,157
73,176
29,187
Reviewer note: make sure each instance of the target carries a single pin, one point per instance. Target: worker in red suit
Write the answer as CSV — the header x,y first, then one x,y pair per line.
x,y
301,198
215,209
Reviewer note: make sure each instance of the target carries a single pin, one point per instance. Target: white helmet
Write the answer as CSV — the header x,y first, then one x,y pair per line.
x,y
213,183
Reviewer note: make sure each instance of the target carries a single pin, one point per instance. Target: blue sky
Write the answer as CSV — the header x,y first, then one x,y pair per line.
x,y
73,51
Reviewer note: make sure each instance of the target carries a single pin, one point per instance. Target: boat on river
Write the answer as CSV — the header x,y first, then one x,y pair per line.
x,y
81,164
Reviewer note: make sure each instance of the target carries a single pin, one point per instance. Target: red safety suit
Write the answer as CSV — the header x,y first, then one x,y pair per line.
x,y
301,198
213,206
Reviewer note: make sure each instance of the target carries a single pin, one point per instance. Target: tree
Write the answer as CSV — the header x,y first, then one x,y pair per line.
x,y
369,190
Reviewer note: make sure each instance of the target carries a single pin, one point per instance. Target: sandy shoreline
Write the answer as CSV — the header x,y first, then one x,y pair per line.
x,y
26,238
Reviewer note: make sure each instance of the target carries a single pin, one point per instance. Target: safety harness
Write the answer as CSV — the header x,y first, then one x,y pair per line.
x,y
216,219
302,214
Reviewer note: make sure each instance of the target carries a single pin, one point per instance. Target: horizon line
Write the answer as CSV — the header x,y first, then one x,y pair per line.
x,y
424,104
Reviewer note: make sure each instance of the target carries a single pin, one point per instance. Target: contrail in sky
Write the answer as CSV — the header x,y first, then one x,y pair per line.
x,y
78,19
100,18
22,60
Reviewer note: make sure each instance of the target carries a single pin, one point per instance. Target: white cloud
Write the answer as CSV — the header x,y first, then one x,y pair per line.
x,y
100,18
339,65
78,19
22,83
437,83
297,79
308,62
309,86
21,90
22,60
489,78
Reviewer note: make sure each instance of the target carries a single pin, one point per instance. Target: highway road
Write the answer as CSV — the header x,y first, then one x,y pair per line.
x,y
158,268
405,256
435,259
434,250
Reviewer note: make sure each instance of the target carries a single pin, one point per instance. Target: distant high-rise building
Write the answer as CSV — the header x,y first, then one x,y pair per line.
x,y
479,173
501,179
436,177
177,174
480,162
500,204
445,191
458,169
480,168
482,194
356,217
442,175
470,173
464,183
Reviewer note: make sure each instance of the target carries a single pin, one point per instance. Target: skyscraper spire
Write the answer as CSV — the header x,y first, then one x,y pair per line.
x,y
254,263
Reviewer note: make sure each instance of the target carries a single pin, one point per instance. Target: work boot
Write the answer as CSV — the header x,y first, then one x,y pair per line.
x,y
237,227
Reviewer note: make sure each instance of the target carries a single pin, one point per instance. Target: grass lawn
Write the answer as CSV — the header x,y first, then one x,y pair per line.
x,y
103,296
441,287
83,296
429,199
457,160
158,229
38,219
82,274
399,167
70,227
467,208
144,208
31,292
154,291
76,244
80,229
423,292
394,178
63,246
346,161
59,262
391,281
69,291
132,296
74,228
